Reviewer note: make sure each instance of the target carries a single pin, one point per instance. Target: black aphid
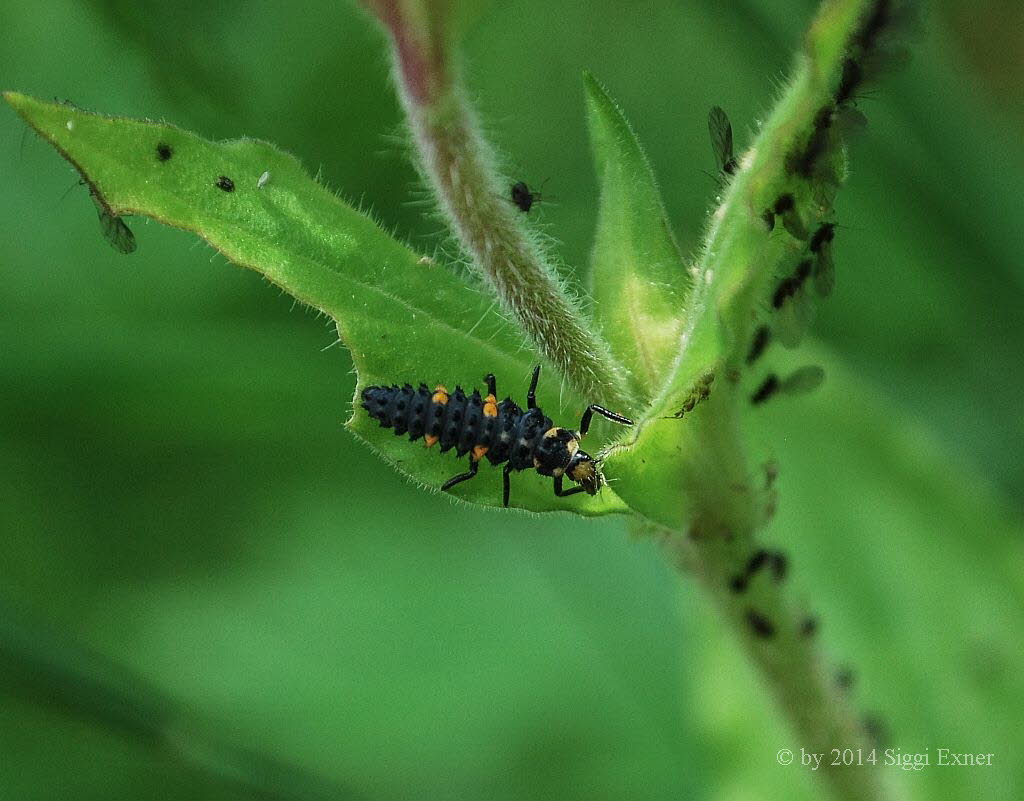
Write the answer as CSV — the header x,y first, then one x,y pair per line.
x,y
760,625
825,234
824,267
700,391
523,197
721,140
762,337
768,388
225,183
790,286
804,161
114,229
785,207
761,559
164,151
876,730
850,79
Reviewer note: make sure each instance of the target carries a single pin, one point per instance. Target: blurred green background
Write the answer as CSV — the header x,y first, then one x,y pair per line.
x,y
209,590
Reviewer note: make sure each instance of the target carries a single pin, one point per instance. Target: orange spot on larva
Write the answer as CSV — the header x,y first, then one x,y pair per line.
x,y
478,452
430,440
440,394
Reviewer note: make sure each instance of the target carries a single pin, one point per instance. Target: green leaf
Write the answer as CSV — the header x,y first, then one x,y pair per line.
x,y
753,243
637,277
403,317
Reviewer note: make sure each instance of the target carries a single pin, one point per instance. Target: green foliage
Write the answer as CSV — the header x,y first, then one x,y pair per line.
x,y
637,276
402,317
179,494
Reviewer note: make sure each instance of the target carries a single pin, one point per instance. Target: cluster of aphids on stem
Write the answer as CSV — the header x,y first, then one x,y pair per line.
x,y
810,162
766,565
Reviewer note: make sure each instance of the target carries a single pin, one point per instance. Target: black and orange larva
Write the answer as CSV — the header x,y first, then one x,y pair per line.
x,y
485,426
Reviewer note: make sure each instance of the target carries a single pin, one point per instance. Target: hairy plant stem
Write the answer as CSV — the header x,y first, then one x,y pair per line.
x,y
459,166
779,638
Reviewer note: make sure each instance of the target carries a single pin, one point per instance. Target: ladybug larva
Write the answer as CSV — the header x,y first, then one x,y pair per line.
x,y
500,430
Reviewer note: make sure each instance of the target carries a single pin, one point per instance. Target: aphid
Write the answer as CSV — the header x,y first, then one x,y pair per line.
x,y
804,161
225,183
263,179
790,286
114,229
824,267
785,207
768,388
700,391
762,336
825,234
164,151
523,197
774,560
850,79
845,678
499,430
876,730
721,140
809,626
760,625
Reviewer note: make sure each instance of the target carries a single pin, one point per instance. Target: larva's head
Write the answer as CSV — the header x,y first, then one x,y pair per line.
x,y
583,470
558,454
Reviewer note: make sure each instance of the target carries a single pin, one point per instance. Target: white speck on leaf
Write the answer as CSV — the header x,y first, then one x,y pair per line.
x,y
262,182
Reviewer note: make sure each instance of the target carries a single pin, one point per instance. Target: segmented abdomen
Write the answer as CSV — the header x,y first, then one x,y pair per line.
x,y
456,420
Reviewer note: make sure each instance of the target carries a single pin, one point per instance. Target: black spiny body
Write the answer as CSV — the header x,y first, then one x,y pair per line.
x,y
484,426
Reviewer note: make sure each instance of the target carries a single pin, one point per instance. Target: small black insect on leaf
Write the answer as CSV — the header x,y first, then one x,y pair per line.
x,y
114,229
785,207
845,678
804,161
760,625
762,337
824,266
523,197
761,559
788,287
721,140
768,388
225,183
876,730
164,152
700,391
